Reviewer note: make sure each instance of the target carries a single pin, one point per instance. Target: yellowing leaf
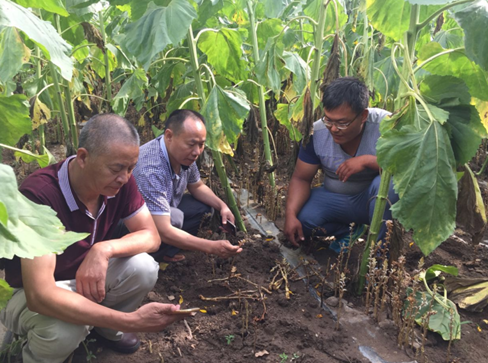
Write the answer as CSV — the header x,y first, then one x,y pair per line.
x,y
203,311
319,316
180,301
234,313
141,121
410,244
40,113
479,329
163,266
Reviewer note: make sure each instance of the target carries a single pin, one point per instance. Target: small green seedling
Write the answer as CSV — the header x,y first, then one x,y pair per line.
x,y
295,356
229,338
283,357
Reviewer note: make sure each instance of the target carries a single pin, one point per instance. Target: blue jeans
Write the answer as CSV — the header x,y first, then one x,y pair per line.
x,y
334,212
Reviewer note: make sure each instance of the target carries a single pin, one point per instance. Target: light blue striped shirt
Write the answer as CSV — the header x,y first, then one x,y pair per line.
x,y
156,180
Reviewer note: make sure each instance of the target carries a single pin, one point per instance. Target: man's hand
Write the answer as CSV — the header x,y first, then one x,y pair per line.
x,y
154,317
355,165
293,230
91,275
226,214
224,248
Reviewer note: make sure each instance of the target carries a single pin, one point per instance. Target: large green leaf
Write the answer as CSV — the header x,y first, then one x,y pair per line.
x,y
314,8
208,9
13,53
159,27
430,2
474,20
447,90
132,89
41,32
6,293
224,52
273,8
392,17
455,64
268,29
267,69
422,164
99,67
466,131
53,6
32,230
225,111
14,118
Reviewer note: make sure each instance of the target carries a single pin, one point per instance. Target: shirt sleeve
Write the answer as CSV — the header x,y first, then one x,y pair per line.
x,y
155,190
194,174
135,202
307,153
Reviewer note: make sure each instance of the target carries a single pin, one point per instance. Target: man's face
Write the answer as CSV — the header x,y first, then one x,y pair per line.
x,y
110,170
185,146
341,117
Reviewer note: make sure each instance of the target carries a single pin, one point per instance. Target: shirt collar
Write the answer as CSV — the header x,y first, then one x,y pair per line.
x,y
65,186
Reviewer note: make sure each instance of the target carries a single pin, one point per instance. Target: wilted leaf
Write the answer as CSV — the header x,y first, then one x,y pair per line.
x,y
41,32
225,112
282,114
14,118
299,68
133,88
32,230
40,113
28,157
469,294
446,321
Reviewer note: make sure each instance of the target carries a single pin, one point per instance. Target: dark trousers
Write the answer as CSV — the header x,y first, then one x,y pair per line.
x,y
187,216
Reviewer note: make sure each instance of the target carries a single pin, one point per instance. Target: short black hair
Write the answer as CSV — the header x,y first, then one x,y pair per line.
x,y
346,90
177,117
106,128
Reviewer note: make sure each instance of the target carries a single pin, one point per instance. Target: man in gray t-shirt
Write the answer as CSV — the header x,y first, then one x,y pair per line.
x,y
343,144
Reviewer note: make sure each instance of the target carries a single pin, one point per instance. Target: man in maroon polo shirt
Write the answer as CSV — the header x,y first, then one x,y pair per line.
x,y
98,281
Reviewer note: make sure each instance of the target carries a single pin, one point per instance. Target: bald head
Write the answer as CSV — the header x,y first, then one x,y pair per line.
x,y
103,130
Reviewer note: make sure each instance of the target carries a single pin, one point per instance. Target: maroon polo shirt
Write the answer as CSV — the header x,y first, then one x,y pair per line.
x,y
50,186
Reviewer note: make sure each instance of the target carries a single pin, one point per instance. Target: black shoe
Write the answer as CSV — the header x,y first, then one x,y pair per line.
x,y
129,343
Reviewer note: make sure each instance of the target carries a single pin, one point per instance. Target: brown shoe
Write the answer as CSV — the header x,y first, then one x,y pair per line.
x,y
129,343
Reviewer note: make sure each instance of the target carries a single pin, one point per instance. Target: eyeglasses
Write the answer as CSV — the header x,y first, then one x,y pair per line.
x,y
339,125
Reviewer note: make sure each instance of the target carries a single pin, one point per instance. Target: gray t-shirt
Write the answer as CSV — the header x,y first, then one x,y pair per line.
x,y
323,150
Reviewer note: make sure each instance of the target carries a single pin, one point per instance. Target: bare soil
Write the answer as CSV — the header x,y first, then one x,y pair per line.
x,y
254,322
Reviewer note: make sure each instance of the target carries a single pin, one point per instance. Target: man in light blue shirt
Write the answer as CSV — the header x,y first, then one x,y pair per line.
x,y
165,170
344,146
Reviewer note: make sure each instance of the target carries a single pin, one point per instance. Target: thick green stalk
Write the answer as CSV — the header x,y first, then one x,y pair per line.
x,y
379,209
62,110
319,41
71,115
262,104
108,81
42,137
69,103
217,157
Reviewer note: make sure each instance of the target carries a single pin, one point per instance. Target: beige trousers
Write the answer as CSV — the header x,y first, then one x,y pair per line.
x,y
50,340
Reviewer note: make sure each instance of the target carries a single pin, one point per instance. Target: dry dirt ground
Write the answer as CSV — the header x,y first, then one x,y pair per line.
x,y
245,320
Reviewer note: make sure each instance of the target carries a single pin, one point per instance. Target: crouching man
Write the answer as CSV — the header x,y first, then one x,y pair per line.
x,y
97,282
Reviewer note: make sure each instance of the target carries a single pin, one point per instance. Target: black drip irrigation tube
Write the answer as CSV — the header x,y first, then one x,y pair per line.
x,y
268,229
